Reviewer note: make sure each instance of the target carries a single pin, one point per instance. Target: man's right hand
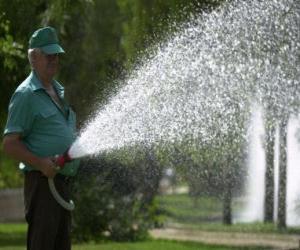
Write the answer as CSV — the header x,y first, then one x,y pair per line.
x,y
47,167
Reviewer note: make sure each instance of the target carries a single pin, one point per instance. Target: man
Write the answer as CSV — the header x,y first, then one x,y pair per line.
x,y
40,125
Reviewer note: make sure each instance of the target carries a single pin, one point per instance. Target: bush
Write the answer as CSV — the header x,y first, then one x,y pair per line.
x,y
114,201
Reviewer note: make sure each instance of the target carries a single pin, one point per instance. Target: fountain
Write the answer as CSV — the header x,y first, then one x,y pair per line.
x,y
255,185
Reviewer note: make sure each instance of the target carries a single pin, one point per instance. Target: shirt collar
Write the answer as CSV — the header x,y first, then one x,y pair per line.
x,y
37,85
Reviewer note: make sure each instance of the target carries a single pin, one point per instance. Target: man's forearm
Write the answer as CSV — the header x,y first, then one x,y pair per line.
x,y
17,150
13,146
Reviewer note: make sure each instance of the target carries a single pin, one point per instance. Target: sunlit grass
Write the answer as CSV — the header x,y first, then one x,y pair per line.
x,y
12,233
12,237
183,209
205,213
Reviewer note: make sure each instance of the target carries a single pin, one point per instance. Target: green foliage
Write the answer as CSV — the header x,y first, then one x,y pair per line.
x,y
114,200
10,175
10,51
90,32
146,23
204,167
10,55
18,19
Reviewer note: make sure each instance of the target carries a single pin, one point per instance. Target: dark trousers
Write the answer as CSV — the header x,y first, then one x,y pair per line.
x,y
48,222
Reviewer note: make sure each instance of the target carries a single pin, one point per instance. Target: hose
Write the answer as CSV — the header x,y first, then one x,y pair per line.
x,y
66,205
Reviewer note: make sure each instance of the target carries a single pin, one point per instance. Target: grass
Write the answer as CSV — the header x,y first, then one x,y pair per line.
x,y
160,245
12,234
180,210
12,237
206,214
254,228
150,245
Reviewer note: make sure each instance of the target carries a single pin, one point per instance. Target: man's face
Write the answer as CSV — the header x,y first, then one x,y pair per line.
x,y
46,65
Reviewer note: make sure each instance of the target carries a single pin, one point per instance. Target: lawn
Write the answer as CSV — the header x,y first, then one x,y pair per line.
x,y
206,214
178,210
12,237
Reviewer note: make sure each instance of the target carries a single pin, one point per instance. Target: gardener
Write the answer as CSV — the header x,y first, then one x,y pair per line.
x,y
40,125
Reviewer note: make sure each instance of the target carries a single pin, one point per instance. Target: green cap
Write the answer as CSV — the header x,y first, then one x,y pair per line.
x,y
46,39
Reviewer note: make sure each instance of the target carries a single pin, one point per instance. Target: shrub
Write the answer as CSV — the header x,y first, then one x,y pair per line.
x,y
114,201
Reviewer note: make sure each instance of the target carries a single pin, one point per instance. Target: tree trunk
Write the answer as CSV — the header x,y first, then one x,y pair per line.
x,y
227,195
227,216
269,176
282,174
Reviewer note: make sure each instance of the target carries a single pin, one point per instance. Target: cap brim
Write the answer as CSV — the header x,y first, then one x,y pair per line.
x,y
52,49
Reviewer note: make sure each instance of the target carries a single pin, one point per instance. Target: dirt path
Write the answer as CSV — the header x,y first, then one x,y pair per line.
x,y
229,238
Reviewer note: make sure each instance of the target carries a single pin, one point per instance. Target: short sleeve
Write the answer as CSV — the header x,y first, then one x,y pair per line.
x,y
20,116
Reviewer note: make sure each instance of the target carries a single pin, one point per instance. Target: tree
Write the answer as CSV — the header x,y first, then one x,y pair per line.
x,y
145,23
280,100
17,21
269,177
282,173
11,53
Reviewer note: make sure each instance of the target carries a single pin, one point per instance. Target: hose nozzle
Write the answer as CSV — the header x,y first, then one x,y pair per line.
x,y
61,160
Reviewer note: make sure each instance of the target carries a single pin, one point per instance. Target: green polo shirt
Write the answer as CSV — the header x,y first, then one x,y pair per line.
x,y
47,129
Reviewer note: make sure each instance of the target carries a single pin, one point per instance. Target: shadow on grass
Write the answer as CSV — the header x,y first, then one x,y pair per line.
x,y
12,239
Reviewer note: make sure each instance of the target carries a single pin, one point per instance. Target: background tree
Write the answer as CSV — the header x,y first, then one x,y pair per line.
x,y
145,22
269,177
282,173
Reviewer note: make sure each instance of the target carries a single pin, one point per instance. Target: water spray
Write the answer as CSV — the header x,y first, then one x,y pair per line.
x,y
198,86
60,162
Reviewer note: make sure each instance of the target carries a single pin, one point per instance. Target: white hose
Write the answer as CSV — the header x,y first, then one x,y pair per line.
x,y
66,205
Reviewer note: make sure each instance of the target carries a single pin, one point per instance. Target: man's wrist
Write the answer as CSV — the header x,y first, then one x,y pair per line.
x,y
38,164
